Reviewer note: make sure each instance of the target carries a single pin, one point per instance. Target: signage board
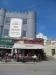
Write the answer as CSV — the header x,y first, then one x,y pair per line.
x,y
6,43
15,27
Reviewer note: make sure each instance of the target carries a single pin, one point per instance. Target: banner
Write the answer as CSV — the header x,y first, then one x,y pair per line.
x,y
15,27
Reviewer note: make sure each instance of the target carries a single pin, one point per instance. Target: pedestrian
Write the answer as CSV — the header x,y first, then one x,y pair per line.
x,y
34,58
6,57
17,57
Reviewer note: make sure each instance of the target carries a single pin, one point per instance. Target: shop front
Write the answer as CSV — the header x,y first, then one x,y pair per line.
x,y
6,45
29,50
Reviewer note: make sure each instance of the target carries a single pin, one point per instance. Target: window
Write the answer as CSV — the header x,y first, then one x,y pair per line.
x,y
1,30
7,20
5,32
24,33
24,21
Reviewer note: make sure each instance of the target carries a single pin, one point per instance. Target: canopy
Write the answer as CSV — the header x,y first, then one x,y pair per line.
x,y
27,46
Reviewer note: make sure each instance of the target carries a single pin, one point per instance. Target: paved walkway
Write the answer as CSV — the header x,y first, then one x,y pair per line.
x,y
40,68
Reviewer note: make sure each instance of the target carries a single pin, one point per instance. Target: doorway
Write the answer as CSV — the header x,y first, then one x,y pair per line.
x,y
53,52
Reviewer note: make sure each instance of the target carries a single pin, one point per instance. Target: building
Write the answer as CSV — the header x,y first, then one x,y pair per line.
x,y
42,36
28,23
50,47
23,24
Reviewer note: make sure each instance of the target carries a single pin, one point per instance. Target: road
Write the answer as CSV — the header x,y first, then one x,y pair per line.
x,y
40,68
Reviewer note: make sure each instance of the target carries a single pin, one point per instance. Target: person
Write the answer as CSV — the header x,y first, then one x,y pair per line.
x,y
9,56
13,56
39,57
34,57
6,57
17,57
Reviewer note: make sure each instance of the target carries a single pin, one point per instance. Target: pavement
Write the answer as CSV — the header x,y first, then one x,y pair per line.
x,y
28,68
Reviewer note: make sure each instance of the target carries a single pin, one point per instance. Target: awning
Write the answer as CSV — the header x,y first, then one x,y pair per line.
x,y
27,46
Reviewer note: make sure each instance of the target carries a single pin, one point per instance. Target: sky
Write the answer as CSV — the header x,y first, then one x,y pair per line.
x,y
45,9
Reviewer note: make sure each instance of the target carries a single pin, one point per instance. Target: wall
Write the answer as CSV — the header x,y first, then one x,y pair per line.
x,y
29,27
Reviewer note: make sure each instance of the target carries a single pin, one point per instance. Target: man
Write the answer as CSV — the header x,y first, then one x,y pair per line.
x,y
34,58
